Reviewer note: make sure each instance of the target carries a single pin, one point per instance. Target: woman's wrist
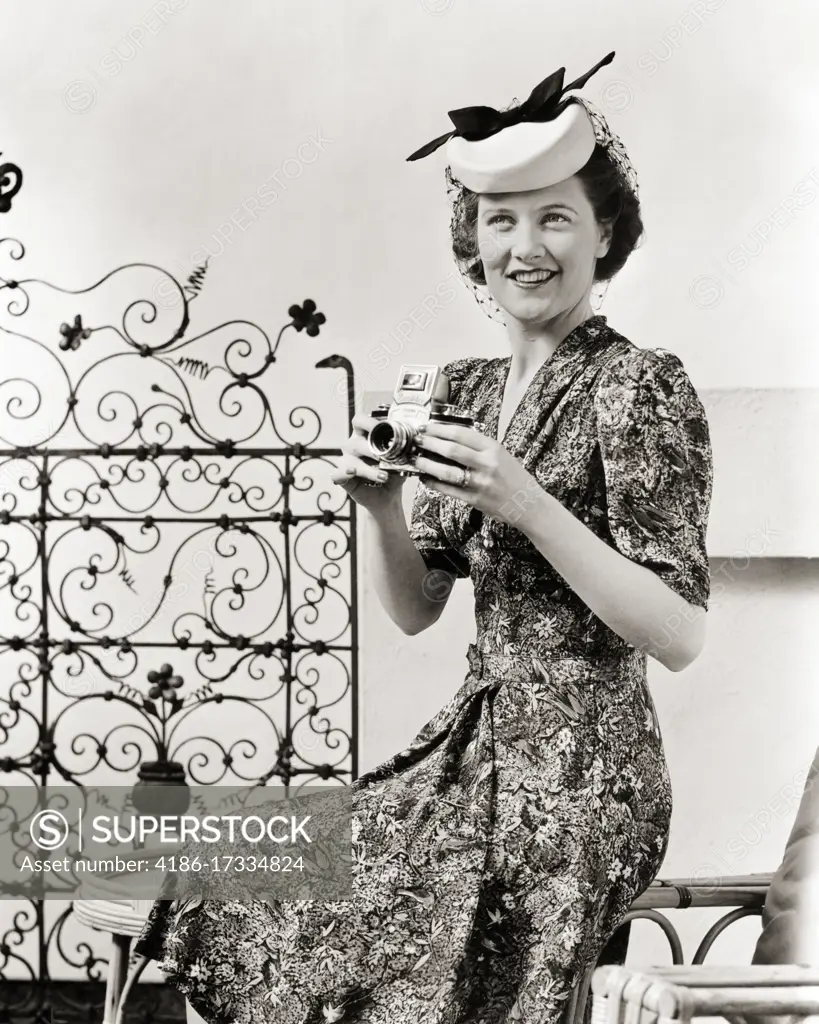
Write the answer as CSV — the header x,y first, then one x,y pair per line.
x,y
531,513
388,511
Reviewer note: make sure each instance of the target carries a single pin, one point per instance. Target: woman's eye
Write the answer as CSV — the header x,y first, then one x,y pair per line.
x,y
553,216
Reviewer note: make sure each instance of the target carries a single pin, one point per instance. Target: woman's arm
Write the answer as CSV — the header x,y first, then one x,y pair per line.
x,y
411,594
629,598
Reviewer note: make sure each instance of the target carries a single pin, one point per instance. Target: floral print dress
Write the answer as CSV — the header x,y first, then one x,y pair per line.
x,y
496,855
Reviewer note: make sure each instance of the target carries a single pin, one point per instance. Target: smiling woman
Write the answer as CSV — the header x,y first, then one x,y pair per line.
x,y
496,855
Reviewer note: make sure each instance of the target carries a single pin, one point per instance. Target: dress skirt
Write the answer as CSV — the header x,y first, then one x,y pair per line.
x,y
492,860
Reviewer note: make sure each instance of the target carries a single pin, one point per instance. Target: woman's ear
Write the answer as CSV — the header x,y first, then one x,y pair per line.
x,y
606,233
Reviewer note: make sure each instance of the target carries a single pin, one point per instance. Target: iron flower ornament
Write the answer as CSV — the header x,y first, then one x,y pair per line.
x,y
164,682
306,318
73,334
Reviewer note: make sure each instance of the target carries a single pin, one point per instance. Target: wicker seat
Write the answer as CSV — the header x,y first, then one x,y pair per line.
x,y
680,993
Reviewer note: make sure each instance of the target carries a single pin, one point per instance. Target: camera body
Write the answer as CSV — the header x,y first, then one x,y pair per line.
x,y
421,395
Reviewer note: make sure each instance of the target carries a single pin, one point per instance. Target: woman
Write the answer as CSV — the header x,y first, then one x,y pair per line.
x,y
497,854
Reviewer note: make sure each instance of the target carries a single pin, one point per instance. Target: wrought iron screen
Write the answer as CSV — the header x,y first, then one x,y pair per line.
x,y
177,572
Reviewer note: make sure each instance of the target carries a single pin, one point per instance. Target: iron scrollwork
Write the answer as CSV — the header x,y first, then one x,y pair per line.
x,y
172,555
11,181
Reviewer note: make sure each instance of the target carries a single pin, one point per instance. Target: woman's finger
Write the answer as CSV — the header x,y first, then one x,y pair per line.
x,y
342,473
353,466
363,423
453,450
442,487
469,437
358,445
442,472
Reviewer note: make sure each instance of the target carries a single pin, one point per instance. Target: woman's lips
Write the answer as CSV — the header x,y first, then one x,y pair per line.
x,y
532,278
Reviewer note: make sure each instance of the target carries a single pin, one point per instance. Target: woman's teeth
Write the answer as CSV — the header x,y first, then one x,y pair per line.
x,y
532,276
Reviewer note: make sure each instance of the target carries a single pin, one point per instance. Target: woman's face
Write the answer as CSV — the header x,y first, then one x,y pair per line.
x,y
539,249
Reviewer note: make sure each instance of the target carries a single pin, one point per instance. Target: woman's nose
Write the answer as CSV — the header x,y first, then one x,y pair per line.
x,y
527,244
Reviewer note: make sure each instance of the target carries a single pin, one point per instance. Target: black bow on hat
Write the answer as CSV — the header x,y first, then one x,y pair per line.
x,y
474,123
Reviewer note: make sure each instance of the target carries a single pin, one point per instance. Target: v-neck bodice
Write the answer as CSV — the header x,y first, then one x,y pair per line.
x,y
578,342
618,435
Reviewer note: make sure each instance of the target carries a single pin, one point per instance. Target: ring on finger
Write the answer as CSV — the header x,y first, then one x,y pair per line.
x,y
465,475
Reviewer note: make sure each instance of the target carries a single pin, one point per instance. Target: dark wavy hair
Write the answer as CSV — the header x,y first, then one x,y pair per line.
x,y
610,197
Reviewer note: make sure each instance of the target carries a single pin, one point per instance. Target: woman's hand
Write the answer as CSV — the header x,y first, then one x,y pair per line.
x,y
358,472
498,485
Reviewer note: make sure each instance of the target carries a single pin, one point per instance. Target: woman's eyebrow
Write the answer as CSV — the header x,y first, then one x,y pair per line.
x,y
540,209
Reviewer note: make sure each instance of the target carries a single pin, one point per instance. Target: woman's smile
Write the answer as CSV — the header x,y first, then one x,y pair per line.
x,y
530,279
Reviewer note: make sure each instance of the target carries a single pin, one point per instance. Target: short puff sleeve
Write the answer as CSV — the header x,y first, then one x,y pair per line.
x,y
426,527
656,453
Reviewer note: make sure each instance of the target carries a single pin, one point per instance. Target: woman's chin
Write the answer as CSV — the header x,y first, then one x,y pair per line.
x,y
530,305
531,309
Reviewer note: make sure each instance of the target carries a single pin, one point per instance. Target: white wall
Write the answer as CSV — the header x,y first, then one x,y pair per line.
x,y
274,136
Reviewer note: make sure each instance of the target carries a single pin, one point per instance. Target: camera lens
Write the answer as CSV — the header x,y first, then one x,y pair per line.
x,y
391,440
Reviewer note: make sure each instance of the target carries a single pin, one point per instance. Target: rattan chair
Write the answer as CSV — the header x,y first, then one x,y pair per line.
x,y
782,980
741,895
